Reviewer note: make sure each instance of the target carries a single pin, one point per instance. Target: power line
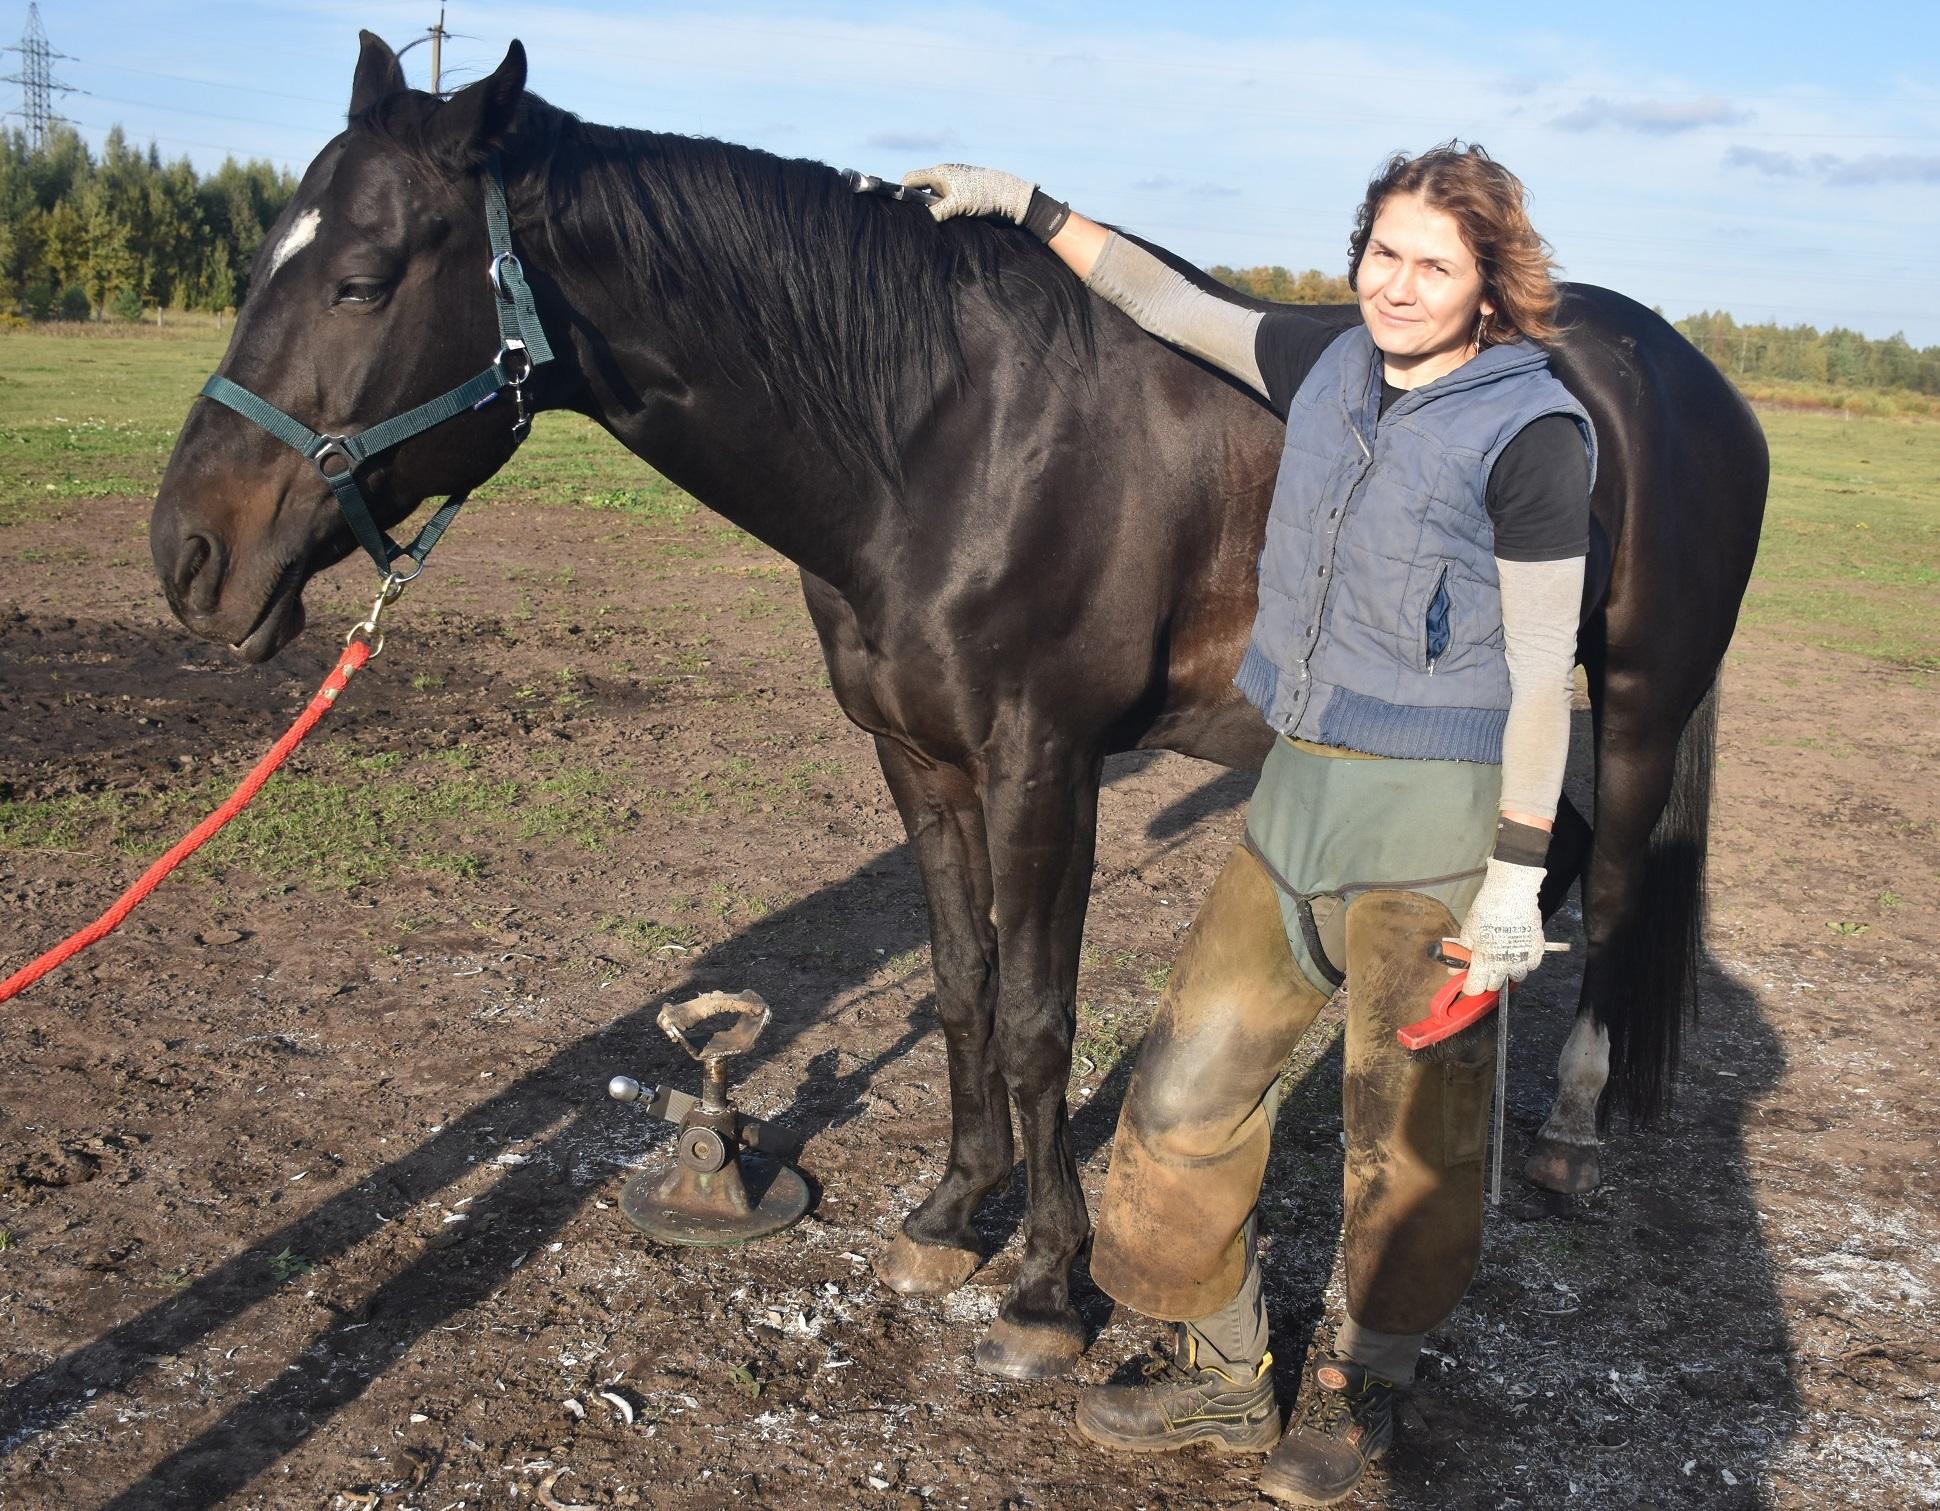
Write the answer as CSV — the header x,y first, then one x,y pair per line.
x,y
241,154
212,115
222,84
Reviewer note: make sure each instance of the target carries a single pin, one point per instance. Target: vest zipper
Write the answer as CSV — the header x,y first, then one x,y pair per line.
x,y
1441,584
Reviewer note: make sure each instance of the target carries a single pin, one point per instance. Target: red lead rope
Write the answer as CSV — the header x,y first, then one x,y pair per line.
x,y
354,656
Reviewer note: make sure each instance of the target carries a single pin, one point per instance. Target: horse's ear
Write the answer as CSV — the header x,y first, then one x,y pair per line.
x,y
478,117
378,73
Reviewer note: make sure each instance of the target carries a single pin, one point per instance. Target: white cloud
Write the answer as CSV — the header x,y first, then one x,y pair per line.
x,y
1881,168
1652,117
1772,164
910,141
1161,184
1839,172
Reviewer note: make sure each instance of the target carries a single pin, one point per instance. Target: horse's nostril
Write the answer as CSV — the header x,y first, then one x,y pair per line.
x,y
198,573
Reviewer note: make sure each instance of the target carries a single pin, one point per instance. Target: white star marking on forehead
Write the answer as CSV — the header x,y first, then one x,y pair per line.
x,y
296,239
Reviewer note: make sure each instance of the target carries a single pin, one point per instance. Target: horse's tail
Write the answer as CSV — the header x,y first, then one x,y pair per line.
x,y
1656,960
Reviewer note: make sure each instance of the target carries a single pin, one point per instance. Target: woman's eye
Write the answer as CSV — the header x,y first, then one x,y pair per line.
x,y
359,291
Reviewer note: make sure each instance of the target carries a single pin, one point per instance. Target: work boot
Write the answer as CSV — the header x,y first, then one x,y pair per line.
x,y
1182,1401
1346,1424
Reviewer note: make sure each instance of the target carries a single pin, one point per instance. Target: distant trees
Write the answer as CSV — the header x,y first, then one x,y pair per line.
x,y
1837,358
1283,287
81,235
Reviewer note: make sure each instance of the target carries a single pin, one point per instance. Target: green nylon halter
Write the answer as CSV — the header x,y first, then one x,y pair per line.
x,y
522,348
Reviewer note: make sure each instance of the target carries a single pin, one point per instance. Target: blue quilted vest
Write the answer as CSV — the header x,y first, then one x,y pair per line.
x,y
1380,620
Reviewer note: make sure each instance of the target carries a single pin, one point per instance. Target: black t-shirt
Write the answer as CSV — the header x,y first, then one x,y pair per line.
x,y
1539,492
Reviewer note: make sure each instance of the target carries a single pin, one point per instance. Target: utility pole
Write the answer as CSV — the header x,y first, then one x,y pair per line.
x,y
435,35
438,35
36,79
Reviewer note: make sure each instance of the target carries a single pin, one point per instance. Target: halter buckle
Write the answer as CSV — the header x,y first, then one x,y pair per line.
x,y
497,272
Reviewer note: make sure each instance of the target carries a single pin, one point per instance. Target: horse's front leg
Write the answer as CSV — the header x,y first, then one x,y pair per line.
x,y
940,807
1041,808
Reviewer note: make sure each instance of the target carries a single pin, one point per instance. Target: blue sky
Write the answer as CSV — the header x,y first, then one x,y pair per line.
x,y
1780,160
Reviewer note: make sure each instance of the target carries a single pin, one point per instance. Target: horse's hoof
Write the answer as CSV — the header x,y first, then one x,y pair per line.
x,y
1569,1169
910,1268
1026,1351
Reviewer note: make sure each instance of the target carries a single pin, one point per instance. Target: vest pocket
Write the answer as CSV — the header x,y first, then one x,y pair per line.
x,y
1435,628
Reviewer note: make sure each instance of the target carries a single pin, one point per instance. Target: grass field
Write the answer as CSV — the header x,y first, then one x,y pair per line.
x,y
1850,559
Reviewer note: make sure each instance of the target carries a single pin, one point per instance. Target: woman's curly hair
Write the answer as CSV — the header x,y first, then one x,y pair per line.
x,y
1486,202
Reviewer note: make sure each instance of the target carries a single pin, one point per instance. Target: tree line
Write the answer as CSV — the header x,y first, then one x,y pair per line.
x,y
86,237
1768,352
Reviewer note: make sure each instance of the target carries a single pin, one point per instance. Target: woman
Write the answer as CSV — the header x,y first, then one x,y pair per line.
x,y
1416,636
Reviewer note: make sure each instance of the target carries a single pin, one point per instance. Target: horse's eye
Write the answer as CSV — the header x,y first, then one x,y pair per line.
x,y
359,291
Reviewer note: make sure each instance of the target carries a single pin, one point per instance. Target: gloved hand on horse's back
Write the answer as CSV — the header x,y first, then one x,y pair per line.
x,y
964,190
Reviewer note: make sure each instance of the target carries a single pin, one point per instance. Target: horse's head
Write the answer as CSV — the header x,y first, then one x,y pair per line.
x,y
369,297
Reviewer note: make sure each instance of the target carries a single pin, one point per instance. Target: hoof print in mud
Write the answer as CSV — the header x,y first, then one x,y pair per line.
x,y
910,1268
49,1167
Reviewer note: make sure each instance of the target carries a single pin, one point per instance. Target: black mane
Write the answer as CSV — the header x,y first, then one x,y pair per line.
x,y
847,305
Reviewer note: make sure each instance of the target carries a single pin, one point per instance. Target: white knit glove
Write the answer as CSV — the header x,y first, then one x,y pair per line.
x,y
1504,927
964,190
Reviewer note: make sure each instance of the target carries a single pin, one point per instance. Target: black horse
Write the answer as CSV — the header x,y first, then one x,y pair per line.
x,y
1016,567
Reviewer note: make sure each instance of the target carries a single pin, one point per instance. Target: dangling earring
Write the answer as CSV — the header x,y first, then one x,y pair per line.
x,y
1481,319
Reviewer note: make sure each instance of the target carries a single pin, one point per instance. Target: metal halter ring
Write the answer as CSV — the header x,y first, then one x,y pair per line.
x,y
514,362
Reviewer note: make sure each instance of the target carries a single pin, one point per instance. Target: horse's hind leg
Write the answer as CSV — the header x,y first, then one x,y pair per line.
x,y
1565,1154
1564,1157
1643,908
936,1251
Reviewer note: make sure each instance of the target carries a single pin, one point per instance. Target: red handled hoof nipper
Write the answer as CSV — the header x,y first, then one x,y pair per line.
x,y
1449,1012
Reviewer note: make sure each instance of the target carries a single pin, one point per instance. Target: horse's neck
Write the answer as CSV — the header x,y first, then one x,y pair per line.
x,y
708,420
709,425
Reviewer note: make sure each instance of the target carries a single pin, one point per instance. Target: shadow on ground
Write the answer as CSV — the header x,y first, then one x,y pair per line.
x,y
1645,1317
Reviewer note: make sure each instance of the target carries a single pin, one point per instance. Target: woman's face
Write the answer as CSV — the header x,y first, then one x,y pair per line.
x,y
1420,291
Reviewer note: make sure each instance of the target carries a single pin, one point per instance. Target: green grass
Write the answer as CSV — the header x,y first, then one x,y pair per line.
x,y
92,412
344,821
647,935
1850,558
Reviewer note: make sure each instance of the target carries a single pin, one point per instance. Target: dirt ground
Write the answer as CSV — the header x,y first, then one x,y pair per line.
x,y
309,1183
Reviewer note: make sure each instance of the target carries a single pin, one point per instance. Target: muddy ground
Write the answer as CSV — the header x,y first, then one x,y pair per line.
x,y
309,1184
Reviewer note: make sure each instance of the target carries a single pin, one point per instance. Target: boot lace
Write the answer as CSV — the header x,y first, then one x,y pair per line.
x,y
1325,1410
1163,1369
